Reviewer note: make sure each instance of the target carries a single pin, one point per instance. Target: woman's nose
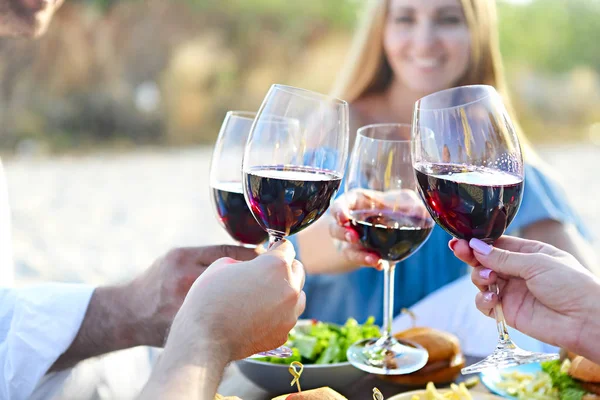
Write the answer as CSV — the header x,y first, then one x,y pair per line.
x,y
424,36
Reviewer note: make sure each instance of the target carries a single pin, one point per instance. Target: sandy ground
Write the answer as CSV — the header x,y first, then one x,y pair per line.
x,y
103,218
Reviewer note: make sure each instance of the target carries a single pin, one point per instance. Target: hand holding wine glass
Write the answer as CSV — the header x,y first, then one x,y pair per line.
x,y
469,168
530,275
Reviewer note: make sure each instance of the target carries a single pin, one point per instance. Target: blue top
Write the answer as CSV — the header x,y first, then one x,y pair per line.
x,y
359,294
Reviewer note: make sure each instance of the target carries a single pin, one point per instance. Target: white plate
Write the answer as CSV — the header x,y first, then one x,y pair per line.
x,y
409,395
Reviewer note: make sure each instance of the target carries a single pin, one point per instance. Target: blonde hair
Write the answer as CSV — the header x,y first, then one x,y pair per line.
x,y
367,70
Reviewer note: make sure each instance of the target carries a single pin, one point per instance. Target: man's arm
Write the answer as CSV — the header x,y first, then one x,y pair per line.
x,y
140,312
110,323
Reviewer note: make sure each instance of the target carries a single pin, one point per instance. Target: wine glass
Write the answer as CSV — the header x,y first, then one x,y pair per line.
x,y
226,181
294,161
469,168
293,171
391,221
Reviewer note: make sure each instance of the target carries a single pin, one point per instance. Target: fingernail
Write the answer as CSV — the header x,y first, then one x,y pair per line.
x,y
485,273
348,236
488,296
370,260
480,246
451,244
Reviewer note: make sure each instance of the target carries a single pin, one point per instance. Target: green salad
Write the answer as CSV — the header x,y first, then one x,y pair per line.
x,y
567,387
324,343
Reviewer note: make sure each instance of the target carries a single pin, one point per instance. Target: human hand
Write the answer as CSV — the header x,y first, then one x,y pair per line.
x,y
544,292
157,294
405,201
242,308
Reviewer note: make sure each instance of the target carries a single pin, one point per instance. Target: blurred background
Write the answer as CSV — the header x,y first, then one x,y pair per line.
x,y
107,122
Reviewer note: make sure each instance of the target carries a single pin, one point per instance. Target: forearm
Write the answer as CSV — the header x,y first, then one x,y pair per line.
x,y
110,324
184,382
187,371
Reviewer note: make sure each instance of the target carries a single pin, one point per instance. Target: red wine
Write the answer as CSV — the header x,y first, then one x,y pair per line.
x,y
234,214
470,202
391,235
287,199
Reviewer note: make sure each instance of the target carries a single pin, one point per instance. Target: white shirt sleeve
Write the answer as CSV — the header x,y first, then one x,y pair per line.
x,y
37,324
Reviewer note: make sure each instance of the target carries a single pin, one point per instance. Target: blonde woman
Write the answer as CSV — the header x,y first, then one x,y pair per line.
x,y
405,50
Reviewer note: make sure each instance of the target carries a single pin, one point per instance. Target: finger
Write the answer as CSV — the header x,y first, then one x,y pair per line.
x,y
483,277
339,212
485,302
463,252
509,263
282,249
301,304
519,245
207,255
343,233
359,256
297,275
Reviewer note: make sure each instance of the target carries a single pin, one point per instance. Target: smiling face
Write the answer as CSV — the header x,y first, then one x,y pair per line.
x,y
26,17
427,43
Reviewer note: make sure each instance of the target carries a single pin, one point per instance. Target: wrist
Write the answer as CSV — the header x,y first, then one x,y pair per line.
x,y
127,329
186,369
190,349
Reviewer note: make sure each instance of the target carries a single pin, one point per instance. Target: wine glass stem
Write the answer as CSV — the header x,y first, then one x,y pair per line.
x,y
274,239
503,336
388,297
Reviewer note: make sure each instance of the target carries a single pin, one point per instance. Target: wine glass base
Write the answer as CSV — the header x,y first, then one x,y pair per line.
x,y
508,356
386,356
280,352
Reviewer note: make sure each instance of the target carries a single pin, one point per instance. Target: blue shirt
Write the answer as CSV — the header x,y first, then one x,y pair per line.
x,y
359,294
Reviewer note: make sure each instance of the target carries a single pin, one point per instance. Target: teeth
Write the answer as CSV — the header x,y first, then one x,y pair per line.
x,y
427,62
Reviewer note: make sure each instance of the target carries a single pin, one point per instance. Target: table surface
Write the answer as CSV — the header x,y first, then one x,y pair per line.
x,y
236,384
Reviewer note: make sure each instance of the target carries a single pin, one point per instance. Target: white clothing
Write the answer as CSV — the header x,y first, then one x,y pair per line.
x,y
37,325
452,309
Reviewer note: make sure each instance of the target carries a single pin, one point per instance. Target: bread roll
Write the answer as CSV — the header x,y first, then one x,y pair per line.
x,y
584,370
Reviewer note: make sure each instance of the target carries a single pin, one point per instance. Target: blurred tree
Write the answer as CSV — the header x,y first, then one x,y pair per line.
x,y
551,35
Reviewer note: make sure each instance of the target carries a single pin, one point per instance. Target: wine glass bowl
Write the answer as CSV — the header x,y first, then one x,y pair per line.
x,y
293,169
468,161
228,199
392,222
469,168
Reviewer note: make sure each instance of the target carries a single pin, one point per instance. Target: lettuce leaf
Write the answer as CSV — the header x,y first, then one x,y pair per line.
x,y
568,388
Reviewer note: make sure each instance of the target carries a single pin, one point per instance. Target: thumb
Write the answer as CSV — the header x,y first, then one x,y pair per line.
x,y
282,249
502,261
